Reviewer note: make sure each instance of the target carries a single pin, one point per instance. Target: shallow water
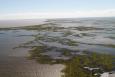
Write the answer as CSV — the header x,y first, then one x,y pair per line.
x,y
99,32
13,62
99,36
95,35
9,40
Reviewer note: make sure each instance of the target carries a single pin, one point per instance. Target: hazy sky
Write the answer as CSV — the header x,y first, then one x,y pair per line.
x,y
18,9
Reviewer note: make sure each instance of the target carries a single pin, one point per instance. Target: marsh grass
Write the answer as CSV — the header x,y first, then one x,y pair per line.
x,y
75,63
82,28
67,33
74,67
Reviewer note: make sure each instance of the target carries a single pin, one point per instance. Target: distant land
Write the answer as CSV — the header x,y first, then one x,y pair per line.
x,y
20,22
27,22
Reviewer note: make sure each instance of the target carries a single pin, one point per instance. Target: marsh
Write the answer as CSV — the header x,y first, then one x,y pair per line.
x,y
32,50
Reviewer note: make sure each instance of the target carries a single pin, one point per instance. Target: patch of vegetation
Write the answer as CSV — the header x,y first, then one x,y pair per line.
x,y
82,28
5,29
110,45
68,42
66,52
74,66
39,37
86,34
76,63
61,40
72,43
112,37
35,53
43,27
107,45
67,33
24,35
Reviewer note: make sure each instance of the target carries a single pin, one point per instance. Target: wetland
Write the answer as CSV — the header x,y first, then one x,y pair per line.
x,y
62,45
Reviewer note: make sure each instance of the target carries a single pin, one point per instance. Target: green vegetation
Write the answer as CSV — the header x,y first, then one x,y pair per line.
x,y
36,54
87,34
67,33
82,28
66,52
5,29
43,27
39,37
112,37
84,34
75,63
72,43
74,67
110,45
61,40
67,42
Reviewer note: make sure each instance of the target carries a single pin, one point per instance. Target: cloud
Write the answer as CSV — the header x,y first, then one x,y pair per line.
x,y
74,14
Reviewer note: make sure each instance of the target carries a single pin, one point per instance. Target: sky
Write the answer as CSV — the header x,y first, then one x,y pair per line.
x,y
31,9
